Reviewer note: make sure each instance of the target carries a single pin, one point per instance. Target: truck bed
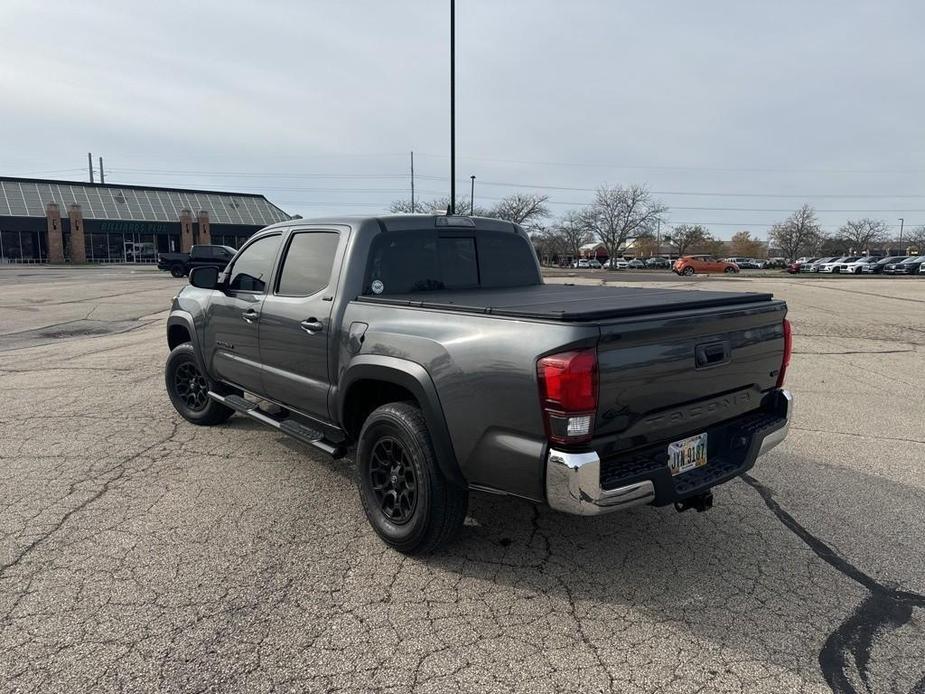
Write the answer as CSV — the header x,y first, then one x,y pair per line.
x,y
569,303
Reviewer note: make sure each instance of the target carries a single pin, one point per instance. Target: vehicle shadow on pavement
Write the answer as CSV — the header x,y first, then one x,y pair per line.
x,y
734,580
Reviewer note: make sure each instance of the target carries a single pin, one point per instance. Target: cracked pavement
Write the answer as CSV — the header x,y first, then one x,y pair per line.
x,y
141,553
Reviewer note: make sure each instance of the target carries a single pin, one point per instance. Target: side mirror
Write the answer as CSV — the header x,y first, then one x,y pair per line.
x,y
205,277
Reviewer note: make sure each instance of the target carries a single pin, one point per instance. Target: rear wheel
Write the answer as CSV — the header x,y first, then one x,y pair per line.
x,y
729,270
688,271
407,499
188,388
177,270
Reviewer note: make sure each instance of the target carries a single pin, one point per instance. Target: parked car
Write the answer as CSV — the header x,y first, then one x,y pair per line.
x,y
658,262
799,265
777,263
636,264
690,264
834,266
594,264
853,267
582,264
747,263
890,268
815,266
877,267
180,264
388,337
910,266
616,264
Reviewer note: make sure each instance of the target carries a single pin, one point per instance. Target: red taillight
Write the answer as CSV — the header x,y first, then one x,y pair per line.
x,y
568,394
788,350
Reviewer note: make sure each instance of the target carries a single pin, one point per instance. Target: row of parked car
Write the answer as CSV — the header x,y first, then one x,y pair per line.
x,y
621,264
858,264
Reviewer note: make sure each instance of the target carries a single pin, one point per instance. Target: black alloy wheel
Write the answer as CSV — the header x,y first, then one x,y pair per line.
x,y
191,387
393,480
188,387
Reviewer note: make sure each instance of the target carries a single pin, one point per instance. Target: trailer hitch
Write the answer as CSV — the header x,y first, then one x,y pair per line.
x,y
701,502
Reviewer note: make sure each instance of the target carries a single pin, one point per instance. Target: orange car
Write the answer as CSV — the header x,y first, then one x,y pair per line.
x,y
689,264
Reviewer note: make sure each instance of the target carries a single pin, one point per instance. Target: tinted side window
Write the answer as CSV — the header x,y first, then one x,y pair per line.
x,y
252,268
308,263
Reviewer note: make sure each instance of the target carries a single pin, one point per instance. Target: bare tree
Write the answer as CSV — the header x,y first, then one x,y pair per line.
x,y
742,244
619,212
549,243
686,237
915,238
713,246
573,232
436,206
645,245
526,209
860,234
799,233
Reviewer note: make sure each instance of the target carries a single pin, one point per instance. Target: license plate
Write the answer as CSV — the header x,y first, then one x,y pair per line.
x,y
687,454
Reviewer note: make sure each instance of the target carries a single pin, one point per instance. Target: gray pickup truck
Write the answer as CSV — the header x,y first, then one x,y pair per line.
x,y
431,347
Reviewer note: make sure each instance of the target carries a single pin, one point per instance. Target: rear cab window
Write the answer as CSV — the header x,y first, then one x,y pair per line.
x,y
403,262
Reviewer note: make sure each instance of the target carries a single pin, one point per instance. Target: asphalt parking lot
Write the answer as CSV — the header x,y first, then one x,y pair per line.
x,y
141,553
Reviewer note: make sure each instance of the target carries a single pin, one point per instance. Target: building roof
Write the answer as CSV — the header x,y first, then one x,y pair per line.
x,y
27,197
592,246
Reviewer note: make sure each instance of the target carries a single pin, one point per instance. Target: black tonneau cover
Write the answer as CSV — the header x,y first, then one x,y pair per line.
x,y
568,303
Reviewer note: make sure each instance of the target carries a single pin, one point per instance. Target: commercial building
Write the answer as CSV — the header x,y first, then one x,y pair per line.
x,y
69,221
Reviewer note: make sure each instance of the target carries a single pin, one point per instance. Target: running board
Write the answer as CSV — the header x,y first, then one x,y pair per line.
x,y
288,426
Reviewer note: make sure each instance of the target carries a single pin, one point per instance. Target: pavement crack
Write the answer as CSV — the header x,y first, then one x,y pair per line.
x,y
885,608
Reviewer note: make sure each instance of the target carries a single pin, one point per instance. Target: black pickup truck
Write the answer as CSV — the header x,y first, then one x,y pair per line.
x,y
431,347
180,264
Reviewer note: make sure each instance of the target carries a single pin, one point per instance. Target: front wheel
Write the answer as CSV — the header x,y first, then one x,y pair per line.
x,y
730,270
188,388
688,271
176,270
407,499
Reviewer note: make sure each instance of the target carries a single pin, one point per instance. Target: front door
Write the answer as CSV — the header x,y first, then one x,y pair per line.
x,y
232,352
295,325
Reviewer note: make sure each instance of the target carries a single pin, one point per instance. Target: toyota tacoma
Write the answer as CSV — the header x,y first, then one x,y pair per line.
x,y
430,349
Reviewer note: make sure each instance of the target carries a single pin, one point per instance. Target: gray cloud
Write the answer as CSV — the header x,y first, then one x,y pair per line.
x,y
788,98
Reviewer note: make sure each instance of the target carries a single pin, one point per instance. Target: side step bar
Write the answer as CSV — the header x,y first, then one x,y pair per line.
x,y
288,426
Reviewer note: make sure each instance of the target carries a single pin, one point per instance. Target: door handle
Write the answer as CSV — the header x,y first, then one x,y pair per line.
x,y
312,326
250,315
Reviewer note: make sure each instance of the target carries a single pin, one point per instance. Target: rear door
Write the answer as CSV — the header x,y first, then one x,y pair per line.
x,y
232,352
295,326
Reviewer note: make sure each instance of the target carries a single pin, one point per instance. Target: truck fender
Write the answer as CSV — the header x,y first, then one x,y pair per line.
x,y
184,319
414,378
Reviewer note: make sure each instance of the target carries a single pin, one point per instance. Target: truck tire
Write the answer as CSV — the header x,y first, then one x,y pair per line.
x,y
177,270
406,497
188,386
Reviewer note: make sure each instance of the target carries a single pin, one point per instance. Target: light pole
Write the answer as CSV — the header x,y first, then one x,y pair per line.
x,y
471,195
901,224
451,208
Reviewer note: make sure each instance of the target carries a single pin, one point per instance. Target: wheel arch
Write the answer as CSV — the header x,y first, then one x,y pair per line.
x,y
180,330
373,380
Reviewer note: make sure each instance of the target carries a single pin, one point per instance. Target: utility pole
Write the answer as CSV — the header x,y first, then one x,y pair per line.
x,y
412,181
472,195
901,224
451,208
90,165
658,236
102,176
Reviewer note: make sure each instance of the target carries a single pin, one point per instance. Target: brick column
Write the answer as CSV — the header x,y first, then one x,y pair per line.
x,y
186,231
78,248
54,237
205,233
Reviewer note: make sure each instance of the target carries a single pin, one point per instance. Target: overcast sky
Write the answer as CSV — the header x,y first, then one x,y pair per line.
x,y
754,106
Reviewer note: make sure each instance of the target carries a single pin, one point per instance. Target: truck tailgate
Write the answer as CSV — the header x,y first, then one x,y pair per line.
x,y
673,375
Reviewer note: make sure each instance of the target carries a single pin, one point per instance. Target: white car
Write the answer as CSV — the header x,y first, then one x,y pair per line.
x,y
835,265
617,264
856,266
581,264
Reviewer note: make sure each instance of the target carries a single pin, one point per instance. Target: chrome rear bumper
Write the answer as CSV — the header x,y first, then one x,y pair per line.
x,y
573,480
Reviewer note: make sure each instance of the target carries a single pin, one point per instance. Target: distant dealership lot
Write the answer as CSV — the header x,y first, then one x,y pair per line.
x,y
142,553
